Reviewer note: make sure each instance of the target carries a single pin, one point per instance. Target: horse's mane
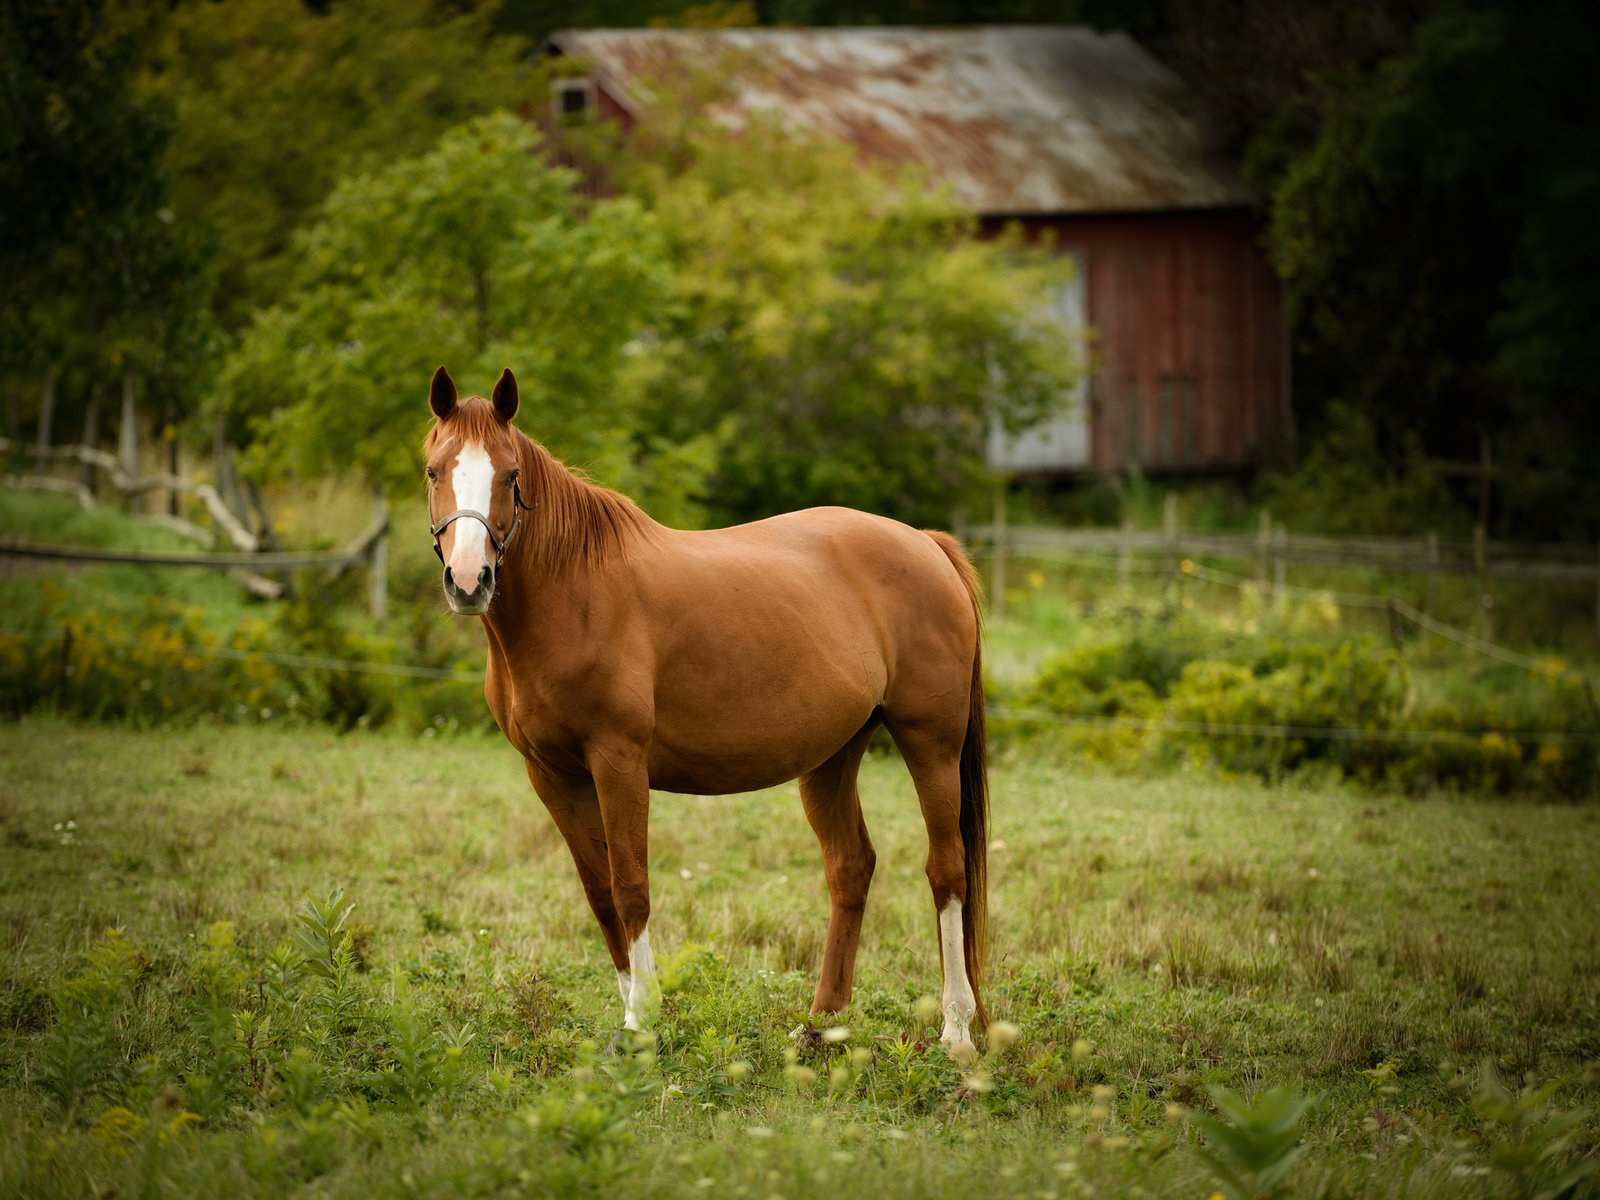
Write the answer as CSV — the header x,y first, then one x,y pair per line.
x,y
575,522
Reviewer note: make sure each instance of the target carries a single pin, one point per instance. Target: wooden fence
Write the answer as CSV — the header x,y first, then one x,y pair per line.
x,y
248,564
1272,549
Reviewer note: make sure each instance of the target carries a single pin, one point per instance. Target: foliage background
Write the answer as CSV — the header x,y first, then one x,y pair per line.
x,y
1428,171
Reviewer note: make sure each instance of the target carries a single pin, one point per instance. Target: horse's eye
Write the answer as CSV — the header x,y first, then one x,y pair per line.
x,y
433,476
511,479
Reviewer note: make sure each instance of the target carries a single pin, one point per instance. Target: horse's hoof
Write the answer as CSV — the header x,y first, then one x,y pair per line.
x,y
806,1037
631,1041
962,1053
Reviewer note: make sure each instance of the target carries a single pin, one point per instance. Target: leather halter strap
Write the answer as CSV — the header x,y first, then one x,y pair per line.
x,y
518,507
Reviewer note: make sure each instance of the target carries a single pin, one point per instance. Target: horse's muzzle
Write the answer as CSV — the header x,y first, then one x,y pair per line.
x,y
473,603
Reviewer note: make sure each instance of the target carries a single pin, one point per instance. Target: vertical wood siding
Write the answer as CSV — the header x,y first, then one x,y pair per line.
x,y
1186,339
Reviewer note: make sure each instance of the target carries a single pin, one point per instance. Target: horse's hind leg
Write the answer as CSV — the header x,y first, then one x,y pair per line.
x,y
933,756
833,806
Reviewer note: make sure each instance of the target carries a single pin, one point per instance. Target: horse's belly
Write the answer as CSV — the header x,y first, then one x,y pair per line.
x,y
708,775
705,778
754,745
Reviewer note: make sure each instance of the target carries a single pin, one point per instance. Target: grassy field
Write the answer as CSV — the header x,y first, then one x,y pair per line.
x,y
1153,940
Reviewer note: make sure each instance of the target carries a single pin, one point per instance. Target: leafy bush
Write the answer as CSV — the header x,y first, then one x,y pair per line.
x,y
154,660
1171,683
1529,1138
1145,648
1349,685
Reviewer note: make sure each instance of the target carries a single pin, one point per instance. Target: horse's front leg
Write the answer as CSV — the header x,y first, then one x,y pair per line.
x,y
576,813
622,782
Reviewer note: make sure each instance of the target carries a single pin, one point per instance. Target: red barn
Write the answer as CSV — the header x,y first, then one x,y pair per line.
x,y
1062,129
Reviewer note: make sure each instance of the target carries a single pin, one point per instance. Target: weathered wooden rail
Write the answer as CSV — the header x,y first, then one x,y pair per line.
x,y
1272,549
1422,556
248,563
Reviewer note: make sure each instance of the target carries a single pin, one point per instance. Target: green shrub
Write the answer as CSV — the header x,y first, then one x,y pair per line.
x,y
1349,685
1239,697
158,661
1124,673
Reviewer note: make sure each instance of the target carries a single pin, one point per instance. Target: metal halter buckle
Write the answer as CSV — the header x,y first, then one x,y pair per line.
x,y
518,507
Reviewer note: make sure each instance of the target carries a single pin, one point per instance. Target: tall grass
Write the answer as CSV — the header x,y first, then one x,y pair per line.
x,y
1165,948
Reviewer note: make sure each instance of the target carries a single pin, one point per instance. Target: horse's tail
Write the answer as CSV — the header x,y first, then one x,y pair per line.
x,y
974,789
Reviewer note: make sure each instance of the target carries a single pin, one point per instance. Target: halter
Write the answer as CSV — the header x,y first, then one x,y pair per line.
x,y
518,507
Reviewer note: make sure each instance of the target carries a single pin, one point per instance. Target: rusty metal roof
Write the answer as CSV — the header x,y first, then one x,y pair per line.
x,y
1017,119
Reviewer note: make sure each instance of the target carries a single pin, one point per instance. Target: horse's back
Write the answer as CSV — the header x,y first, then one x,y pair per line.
x,y
774,642
839,572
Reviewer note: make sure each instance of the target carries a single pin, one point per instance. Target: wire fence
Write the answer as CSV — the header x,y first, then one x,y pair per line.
x,y
1461,737
1120,562
310,662
1371,601
1004,715
1273,549
1115,558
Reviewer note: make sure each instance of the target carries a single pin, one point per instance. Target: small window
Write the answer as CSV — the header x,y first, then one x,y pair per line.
x,y
573,99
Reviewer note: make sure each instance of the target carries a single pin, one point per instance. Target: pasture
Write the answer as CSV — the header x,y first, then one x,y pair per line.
x,y
1428,970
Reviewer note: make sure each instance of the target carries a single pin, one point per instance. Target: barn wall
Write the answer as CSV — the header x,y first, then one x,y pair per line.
x,y
1187,339
1187,343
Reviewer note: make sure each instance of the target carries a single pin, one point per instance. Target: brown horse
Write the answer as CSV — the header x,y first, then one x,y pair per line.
x,y
626,656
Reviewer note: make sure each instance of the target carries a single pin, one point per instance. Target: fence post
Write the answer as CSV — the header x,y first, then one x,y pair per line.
x,y
1433,571
1280,566
91,435
1263,549
66,669
128,441
997,562
378,563
47,417
1169,530
1480,557
1125,552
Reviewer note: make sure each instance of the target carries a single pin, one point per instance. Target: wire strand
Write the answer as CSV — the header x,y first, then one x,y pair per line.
x,y
308,661
1364,600
1002,714
1307,732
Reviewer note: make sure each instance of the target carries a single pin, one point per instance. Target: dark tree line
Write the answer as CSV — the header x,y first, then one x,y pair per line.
x,y
1433,171
1430,169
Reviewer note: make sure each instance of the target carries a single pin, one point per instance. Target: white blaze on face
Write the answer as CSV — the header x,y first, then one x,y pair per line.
x,y
472,480
958,1002
638,984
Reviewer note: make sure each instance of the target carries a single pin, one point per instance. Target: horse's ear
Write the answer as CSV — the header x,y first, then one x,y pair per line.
x,y
442,394
505,395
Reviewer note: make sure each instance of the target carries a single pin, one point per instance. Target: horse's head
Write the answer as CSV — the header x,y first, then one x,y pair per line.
x,y
475,502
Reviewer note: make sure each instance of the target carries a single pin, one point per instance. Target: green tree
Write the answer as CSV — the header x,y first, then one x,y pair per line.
x,y
1439,264
102,278
1430,171
844,331
277,100
475,254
